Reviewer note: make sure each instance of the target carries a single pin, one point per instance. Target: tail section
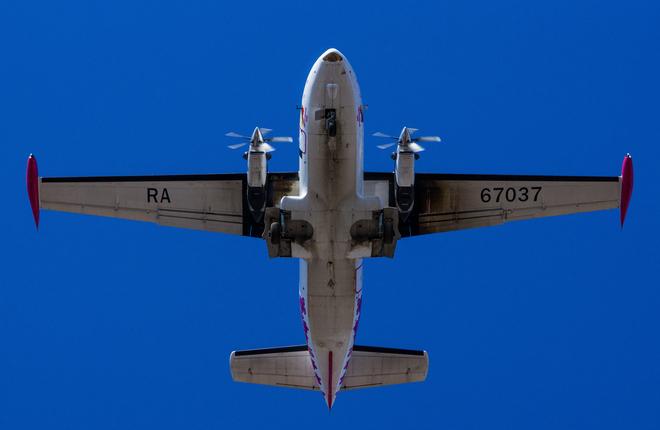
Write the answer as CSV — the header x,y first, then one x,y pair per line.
x,y
288,366
372,366
292,367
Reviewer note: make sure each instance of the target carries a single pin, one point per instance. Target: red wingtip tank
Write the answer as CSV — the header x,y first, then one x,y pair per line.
x,y
32,179
626,186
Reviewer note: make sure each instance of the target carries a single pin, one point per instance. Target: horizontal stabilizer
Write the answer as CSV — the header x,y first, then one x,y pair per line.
x,y
289,366
374,366
292,367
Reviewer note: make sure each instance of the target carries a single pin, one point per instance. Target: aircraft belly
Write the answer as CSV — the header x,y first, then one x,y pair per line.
x,y
330,292
330,295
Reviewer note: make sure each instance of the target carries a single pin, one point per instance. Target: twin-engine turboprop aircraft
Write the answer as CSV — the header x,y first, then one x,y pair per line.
x,y
331,215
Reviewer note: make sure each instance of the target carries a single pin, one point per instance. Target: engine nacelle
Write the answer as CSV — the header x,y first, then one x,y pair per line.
x,y
407,152
257,157
404,181
257,175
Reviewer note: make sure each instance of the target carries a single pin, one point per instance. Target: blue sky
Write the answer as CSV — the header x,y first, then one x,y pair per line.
x,y
109,324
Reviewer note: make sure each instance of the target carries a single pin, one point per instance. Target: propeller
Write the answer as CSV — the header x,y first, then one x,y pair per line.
x,y
257,141
406,140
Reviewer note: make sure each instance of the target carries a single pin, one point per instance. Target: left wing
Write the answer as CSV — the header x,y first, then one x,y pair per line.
x,y
215,202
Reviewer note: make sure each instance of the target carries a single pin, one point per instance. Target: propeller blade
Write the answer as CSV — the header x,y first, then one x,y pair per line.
x,y
428,139
379,134
387,145
237,145
234,134
265,131
280,139
415,147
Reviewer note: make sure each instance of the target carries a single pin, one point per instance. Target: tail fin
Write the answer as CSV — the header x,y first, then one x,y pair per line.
x,y
292,367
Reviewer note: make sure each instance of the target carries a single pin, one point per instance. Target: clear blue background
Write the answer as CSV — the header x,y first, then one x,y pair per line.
x,y
109,324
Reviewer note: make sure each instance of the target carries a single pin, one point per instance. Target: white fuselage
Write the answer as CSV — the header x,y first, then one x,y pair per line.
x,y
331,200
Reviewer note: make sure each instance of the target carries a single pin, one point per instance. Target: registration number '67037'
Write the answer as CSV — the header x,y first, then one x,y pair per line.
x,y
510,194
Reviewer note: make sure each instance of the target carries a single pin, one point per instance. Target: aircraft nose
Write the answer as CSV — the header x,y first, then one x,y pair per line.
x,y
332,55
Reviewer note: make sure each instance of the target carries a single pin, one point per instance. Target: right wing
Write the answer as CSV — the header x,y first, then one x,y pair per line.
x,y
455,202
447,202
203,202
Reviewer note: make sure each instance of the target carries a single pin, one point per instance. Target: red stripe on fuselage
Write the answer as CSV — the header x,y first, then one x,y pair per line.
x,y
330,390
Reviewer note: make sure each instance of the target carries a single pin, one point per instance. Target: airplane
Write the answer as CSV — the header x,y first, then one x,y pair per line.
x,y
331,215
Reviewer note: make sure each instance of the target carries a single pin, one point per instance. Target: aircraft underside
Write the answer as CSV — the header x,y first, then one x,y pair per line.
x,y
331,215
